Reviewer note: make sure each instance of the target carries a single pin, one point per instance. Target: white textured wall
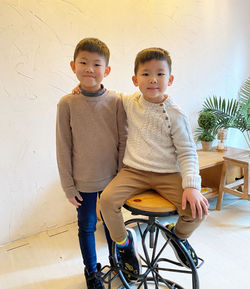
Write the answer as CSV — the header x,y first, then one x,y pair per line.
x,y
207,39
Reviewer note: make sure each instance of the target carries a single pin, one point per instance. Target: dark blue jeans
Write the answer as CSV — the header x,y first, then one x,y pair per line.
x,y
87,219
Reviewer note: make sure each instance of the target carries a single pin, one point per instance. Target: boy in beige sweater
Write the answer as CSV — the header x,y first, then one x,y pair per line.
x,y
91,134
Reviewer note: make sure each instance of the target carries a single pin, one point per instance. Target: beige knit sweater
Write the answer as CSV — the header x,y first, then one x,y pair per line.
x,y
160,139
90,141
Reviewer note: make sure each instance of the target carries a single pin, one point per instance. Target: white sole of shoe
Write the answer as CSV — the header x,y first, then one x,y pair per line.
x,y
172,246
135,248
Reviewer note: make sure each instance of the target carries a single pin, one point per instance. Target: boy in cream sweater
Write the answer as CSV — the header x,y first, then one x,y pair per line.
x,y
160,155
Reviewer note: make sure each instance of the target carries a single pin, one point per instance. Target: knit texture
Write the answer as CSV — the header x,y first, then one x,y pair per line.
x,y
160,139
90,141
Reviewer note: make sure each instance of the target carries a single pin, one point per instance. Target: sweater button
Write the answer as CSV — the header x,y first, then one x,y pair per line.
x,y
164,111
166,118
169,126
161,104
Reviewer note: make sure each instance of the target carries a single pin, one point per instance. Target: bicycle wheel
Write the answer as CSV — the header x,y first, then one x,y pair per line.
x,y
160,268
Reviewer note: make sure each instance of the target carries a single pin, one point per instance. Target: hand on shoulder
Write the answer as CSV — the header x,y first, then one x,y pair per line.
x,y
77,89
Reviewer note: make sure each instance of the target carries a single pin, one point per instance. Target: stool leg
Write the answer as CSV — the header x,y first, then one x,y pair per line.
x,y
151,231
222,185
246,182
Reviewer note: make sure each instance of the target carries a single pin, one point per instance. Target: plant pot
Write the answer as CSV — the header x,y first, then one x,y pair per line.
x,y
207,145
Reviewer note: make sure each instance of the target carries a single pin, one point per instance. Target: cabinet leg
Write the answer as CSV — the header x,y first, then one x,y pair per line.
x,y
221,187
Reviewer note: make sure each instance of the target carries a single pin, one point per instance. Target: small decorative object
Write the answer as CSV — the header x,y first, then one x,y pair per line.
x,y
222,136
205,133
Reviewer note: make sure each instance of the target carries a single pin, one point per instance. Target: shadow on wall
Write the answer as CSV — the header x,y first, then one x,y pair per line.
x,y
48,209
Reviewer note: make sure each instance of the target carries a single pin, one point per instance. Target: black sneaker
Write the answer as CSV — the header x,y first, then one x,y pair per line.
x,y
178,253
91,280
111,258
129,257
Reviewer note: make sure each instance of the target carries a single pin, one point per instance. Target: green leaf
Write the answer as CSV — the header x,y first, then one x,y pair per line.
x,y
244,99
231,113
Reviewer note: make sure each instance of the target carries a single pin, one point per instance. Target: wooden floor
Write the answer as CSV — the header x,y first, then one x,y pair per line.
x,y
52,260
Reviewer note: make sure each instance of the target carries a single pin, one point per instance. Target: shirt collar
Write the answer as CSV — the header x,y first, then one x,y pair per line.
x,y
97,93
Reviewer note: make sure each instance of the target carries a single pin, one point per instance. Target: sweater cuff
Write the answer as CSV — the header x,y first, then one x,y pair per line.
x,y
192,182
70,192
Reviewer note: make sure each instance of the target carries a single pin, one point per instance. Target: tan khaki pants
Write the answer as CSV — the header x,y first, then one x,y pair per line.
x,y
130,182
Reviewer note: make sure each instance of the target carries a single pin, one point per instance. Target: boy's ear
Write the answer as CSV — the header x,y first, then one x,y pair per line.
x,y
107,71
73,66
134,79
171,79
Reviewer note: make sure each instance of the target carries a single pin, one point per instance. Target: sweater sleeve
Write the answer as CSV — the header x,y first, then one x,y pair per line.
x,y
186,151
64,149
122,131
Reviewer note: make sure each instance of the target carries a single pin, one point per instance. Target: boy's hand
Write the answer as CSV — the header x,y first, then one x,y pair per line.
x,y
77,89
74,201
196,200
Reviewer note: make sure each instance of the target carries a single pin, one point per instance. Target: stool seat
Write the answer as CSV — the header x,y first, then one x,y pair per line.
x,y
241,158
149,203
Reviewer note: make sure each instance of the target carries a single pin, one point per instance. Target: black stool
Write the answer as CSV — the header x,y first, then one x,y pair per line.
x,y
159,264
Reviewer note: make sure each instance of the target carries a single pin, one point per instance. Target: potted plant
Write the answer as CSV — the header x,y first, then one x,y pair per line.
x,y
231,113
206,131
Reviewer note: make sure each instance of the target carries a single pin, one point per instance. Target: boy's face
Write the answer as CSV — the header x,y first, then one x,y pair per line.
x,y
153,78
90,69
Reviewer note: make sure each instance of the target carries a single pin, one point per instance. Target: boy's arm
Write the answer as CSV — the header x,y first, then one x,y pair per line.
x,y
122,131
185,150
64,149
189,166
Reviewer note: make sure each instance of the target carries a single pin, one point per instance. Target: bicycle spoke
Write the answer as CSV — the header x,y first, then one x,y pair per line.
x,y
156,281
144,244
155,244
170,284
174,270
161,250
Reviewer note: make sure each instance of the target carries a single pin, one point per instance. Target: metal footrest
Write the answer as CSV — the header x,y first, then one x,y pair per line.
x,y
107,274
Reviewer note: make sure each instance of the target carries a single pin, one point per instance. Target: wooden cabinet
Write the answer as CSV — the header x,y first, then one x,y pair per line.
x,y
210,163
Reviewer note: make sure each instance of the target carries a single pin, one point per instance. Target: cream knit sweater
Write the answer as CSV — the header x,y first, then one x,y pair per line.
x,y
160,139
